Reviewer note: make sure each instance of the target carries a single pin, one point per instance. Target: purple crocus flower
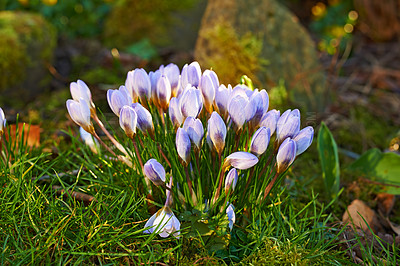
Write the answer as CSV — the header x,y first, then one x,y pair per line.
x,y
130,87
80,113
230,212
163,92
288,125
304,139
183,146
171,71
154,77
141,84
222,96
2,122
174,111
191,75
78,90
260,141
164,223
269,120
208,85
128,120
217,132
144,119
238,111
195,130
258,101
231,180
118,98
286,155
240,160
191,102
154,171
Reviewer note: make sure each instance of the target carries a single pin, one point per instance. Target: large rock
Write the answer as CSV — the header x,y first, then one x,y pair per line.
x,y
262,39
27,42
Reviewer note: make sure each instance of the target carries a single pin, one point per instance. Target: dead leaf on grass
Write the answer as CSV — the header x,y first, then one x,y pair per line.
x,y
358,214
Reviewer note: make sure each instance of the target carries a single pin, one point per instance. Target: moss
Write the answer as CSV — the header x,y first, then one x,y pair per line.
x,y
242,53
26,46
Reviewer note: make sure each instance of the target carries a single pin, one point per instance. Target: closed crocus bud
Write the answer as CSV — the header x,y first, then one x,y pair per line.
x,y
231,180
217,132
240,160
2,122
257,103
171,71
238,112
129,86
89,140
286,155
191,102
222,96
154,171
164,223
183,146
163,92
128,121
144,119
191,75
260,141
230,212
80,113
117,99
208,85
142,84
269,120
288,125
304,139
195,130
174,111
78,90
154,77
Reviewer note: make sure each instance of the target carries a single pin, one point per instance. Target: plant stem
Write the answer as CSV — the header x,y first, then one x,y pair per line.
x,y
137,153
105,145
220,178
190,185
163,155
270,185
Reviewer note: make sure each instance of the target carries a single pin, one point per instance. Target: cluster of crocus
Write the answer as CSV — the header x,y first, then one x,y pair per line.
x,y
2,122
187,108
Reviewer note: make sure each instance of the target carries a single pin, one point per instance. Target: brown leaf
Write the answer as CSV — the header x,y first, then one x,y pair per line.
x,y
31,134
357,212
385,203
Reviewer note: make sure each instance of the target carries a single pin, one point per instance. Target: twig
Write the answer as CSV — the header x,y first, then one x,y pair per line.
x,y
87,199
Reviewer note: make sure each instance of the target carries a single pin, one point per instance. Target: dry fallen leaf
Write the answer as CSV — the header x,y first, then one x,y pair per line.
x,y
385,203
358,214
31,134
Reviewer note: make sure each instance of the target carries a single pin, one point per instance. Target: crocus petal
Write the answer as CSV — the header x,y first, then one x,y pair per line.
x,y
260,141
79,90
142,83
183,145
195,130
231,180
289,129
171,71
2,121
191,74
117,99
144,118
154,77
208,85
129,86
150,224
304,139
230,212
222,95
166,223
237,111
269,120
240,160
217,132
191,102
80,113
286,155
163,92
154,171
128,120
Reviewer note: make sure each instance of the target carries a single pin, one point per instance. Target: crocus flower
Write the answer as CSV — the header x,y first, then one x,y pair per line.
x,y
129,86
154,77
208,85
78,90
260,141
217,132
195,130
141,84
269,120
164,223
89,140
288,125
238,111
80,114
128,120
230,212
154,171
191,102
144,119
259,103
304,139
183,146
118,98
231,180
174,111
191,75
171,71
222,96
2,122
286,155
163,92
240,160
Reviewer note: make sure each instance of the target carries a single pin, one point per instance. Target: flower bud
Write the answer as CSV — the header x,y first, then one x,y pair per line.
x,y
2,122
240,160
163,92
191,102
195,130
128,120
191,75
304,139
230,212
217,132
117,99
183,146
144,119
222,95
141,84
269,120
231,180
79,90
174,111
260,141
154,171
80,114
171,71
154,77
288,125
208,85
286,155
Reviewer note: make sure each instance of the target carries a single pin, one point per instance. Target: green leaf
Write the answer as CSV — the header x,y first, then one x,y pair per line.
x,y
379,166
329,158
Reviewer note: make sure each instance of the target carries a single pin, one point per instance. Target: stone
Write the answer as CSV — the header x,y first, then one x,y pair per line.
x,y
27,43
263,40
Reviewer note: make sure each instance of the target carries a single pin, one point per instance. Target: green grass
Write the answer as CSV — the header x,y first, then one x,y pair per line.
x,y
41,225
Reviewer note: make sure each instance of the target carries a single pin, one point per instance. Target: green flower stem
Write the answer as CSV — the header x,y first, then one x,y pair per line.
x,y
113,140
163,154
137,153
247,184
190,185
105,145
220,178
